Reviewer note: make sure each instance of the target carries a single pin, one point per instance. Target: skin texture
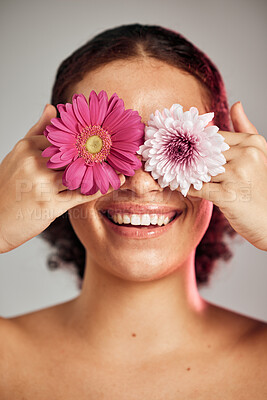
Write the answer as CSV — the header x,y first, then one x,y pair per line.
x,y
143,259
139,328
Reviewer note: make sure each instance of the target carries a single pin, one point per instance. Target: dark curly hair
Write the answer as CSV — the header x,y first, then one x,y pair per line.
x,y
130,42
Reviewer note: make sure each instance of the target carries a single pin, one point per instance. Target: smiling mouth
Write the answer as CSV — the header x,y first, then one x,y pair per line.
x,y
141,221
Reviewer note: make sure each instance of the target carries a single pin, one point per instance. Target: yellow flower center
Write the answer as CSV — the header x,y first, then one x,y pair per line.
x,y
94,144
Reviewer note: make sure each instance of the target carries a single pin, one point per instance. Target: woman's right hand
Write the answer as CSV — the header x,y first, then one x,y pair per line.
x,y
32,195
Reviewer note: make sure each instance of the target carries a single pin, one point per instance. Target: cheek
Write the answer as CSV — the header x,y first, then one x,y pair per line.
x,y
141,261
82,219
202,219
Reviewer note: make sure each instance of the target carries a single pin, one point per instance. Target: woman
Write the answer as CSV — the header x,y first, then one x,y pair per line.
x,y
139,329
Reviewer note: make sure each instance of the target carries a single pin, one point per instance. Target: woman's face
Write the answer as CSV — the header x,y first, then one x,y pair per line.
x,y
145,86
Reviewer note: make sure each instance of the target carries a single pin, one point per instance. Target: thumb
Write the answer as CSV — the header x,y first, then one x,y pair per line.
x,y
240,121
49,112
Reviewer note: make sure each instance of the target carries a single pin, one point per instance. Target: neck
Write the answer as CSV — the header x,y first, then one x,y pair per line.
x,y
134,318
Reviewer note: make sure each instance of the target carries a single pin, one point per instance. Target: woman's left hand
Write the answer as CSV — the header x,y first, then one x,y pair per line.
x,y
241,191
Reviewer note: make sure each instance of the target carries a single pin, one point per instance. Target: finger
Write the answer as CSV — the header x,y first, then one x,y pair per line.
x,y
39,142
232,139
48,113
223,175
214,192
53,183
257,141
56,177
49,176
75,197
232,153
241,141
240,121
206,192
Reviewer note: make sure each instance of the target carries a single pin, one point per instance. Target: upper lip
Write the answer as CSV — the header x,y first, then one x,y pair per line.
x,y
134,208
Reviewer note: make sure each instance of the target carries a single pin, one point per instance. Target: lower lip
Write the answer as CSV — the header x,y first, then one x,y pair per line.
x,y
140,233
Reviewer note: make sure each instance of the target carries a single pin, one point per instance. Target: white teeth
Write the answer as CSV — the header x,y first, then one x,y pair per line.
x,y
140,219
166,220
126,219
120,219
135,219
154,219
161,220
145,219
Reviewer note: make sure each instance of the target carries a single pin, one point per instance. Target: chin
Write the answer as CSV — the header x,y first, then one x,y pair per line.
x,y
141,266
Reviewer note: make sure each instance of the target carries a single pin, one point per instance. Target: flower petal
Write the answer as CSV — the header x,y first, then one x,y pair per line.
x,y
120,145
88,180
211,130
127,135
61,137
93,190
50,151
94,107
123,134
61,107
77,112
111,175
113,118
69,121
113,102
66,147
65,155
103,107
83,108
100,178
58,123
45,132
198,149
128,119
60,164
52,128
73,174
206,118
70,111
56,158
123,155
120,165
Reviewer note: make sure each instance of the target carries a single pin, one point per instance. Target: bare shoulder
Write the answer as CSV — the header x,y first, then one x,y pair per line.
x,y
251,353
8,331
11,344
32,328
258,336
37,322
242,330
25,339
27,343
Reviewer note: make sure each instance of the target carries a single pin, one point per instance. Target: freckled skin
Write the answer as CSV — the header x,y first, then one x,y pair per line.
x,y
145,87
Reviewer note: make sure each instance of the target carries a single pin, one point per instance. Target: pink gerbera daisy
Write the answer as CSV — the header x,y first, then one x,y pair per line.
x,y
93,139
180,149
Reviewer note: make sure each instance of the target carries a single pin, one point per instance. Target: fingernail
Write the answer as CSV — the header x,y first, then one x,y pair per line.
x,y
122,179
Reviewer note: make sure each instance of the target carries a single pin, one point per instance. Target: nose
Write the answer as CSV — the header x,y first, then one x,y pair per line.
x,y
141,183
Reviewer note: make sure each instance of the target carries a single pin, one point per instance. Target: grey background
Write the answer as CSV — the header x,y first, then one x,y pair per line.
x,y
37,35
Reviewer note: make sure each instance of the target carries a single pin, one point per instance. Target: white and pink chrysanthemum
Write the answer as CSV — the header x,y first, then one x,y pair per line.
x,y
94,139
180,149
